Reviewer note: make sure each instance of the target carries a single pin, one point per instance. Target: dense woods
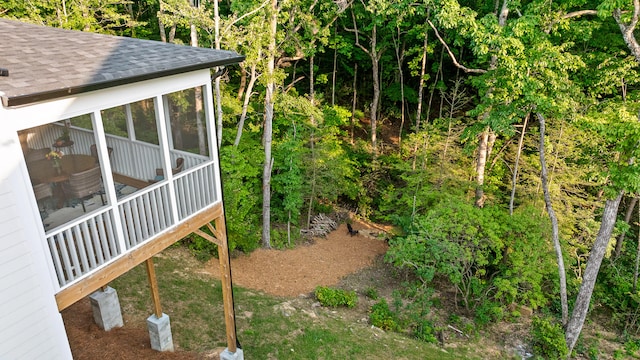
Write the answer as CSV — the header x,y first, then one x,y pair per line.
x,y
499,137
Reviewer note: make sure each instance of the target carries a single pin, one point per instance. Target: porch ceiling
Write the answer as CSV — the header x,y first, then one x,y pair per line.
x,y
47,63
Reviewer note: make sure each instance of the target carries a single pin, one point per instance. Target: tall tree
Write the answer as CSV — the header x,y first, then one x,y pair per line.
x,y
372,15
269,99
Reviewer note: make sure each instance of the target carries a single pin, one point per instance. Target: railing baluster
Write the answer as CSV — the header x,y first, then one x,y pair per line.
x,y
129,226
97,244
78,242
166,206
154,209
105,240
148,216
114,244
73,253
135,213
86,248
56,259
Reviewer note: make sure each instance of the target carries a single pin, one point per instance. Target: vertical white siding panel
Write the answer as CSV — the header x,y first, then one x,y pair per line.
x,y
32,327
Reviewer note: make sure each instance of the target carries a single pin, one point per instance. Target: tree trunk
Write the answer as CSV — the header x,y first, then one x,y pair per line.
x,y
163,34
172,33
218,103
635,271
333,73
268,123
439,74
581,306
627,219
423,71
399,60
554,221
375,63
243,83
312,145
627,30
481,163
354,101
245,105
216,88
374,55
514,178
486,141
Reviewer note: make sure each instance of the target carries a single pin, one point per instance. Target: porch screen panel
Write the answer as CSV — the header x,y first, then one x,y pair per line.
x,y
187,126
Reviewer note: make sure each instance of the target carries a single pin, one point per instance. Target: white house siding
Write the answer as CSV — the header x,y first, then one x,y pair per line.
x,y
31,326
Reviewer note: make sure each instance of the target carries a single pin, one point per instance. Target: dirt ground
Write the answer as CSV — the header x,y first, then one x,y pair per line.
x,y
283,273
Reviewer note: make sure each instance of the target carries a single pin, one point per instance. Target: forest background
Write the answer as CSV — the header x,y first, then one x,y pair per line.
x,y
500,137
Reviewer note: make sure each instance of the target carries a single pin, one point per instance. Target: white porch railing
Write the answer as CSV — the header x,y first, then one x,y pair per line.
x,y
82,246
145,215
195,189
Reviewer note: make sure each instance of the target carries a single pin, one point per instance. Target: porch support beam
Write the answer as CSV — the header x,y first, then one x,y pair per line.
x,y
121,265
220,233
208,237
153,285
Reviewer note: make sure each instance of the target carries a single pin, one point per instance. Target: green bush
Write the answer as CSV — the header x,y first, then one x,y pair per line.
x,y
488,312
425,331
372,293
336,297
548,339
491,258
381,316
201,248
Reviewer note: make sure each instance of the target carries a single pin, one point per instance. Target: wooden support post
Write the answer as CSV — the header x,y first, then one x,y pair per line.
x,y
153,284
225,277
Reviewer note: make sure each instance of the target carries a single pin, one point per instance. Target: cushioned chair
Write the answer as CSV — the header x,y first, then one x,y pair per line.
x,y
42,191
175,170
83,185
36,154
94,152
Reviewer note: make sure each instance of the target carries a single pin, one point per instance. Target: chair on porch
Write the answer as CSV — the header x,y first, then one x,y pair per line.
x,y
36,154
42,191
84,185
175,170
94,152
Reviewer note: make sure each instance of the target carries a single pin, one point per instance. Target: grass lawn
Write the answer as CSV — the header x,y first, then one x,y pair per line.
x,y
268,327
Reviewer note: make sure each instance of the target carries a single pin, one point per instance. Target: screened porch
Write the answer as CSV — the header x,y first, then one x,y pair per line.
x,y
108,181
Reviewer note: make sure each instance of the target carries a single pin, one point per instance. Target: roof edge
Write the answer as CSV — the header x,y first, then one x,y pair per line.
x,y
20,100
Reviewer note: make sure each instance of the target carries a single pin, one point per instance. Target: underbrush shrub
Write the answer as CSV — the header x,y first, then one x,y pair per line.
x,y
371,293
242,175
425,331
488,312
615,292
548,339
200,247
336,297
492,259
280,239
382,317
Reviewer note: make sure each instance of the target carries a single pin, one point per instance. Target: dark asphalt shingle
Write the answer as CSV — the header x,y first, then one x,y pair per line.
x,y
47,63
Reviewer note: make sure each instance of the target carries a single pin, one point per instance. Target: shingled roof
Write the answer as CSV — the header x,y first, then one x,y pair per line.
x,y
48,63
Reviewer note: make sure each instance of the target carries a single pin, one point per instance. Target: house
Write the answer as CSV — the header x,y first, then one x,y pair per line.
x,y
109,156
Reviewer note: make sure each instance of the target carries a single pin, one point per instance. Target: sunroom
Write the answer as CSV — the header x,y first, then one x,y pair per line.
x,y
108,180
110,156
